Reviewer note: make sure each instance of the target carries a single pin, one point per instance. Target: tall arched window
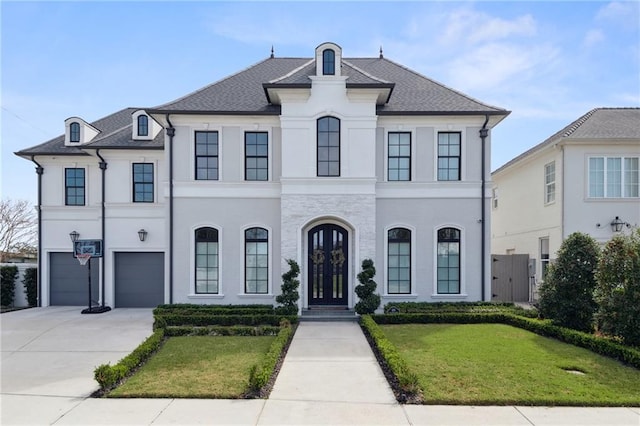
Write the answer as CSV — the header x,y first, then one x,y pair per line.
x,y
328,62
399,261
143,125
74,132
207,260
448,261
328,146
256,261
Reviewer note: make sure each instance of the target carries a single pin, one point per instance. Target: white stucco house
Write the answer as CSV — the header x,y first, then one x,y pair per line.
x,y
326,160
584,178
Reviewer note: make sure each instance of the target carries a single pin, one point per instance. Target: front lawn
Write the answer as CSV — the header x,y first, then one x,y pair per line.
x,y
198,367
496,364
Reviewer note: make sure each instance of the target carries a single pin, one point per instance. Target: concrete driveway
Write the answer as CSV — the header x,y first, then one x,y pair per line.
x,y
51,352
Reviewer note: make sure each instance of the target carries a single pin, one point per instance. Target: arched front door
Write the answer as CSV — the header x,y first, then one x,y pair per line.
x,y
328,265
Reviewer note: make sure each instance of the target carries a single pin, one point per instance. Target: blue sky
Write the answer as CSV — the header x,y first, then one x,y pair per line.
x,y
547,62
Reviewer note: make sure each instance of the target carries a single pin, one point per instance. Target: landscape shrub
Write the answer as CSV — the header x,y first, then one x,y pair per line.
x,y
470,307
369,301
217,330
30,282
203,320
566,296
260,375
289,295
617,291
390,355
109,376
8,275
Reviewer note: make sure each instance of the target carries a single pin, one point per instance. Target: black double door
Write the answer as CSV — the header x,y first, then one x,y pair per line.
x,y
328,265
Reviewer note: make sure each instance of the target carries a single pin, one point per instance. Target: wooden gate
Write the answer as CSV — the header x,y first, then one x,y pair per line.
x,y
510,273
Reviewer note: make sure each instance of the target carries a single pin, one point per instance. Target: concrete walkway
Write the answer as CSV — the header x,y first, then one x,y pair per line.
x,y
329,377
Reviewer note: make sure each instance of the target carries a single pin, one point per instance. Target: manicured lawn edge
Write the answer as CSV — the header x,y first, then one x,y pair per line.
x,y
262,376
599,345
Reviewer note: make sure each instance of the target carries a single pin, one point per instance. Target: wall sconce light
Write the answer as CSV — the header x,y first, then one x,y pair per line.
x,y
74,235
617,224
142,234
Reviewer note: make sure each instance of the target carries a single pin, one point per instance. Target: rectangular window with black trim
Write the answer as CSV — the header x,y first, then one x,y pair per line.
x,y
328,133
256,244
448,262
449,156
74,187
399,156
143,183
206,155
399,261
256,156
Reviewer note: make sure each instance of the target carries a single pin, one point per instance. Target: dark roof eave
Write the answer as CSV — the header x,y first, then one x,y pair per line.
x,y
144,148
382,112
29,154
213,112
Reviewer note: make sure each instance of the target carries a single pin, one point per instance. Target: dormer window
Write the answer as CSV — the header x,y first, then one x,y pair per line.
x,y
143,125
74,132
328,62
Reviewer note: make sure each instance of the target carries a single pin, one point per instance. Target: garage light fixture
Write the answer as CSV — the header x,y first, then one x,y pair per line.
x,y
74,235
142,234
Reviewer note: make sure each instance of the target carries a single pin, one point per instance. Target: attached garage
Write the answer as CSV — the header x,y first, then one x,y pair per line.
x,y
139,279
69,281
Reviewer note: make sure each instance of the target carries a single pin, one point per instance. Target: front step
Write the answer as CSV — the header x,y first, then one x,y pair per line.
x,y
328,313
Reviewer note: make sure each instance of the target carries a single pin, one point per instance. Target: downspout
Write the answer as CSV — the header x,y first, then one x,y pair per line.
x,y
484,132
171,131
103,168
39,171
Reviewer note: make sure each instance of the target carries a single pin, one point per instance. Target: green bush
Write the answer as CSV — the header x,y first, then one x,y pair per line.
x,y
192,306
617,290
8,275
469,307
217,330
109,376
30,282
566,296
289,295
203,320
260,375
369,301
390,355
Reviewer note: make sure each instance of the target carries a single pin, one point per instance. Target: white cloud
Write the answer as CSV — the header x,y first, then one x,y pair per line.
x,y
472,27
593,37
625,14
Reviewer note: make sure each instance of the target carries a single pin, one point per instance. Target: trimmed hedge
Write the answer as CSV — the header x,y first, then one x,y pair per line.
x,y
181,306
8,274
471,307
261,374
30,282
599,345
208,311
202,320
109,376
216,330
407,380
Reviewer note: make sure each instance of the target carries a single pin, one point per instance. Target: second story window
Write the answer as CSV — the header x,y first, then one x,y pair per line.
x,y
256,151
614,177
74,189
550,182
449,156
206,155
74,132
328,146
143,125
142,183
328,62
399,156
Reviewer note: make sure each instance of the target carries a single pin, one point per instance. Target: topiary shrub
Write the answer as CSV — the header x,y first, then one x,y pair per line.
x,y
618,289
8,275
289,295
566,296
369,301
30,281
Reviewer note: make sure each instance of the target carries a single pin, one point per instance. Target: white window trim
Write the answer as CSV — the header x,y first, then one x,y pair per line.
x,y
622,177
463,260
192,151
463,150
414,256
243,272
412,132
546,185
192,263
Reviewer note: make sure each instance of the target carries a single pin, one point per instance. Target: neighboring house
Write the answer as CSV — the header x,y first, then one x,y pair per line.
x,y
326,160
584,179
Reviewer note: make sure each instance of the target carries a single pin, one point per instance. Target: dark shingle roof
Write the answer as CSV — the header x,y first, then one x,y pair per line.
x,y
602,124
243,92
115,132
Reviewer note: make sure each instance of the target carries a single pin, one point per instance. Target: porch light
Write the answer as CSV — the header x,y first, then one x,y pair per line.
x,y
142,234
617,224
74,235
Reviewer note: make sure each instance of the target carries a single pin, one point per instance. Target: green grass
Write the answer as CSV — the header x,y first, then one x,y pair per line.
x,y
198,367
496,364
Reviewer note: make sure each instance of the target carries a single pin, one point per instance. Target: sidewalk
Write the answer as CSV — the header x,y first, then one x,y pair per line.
x,y
329,377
